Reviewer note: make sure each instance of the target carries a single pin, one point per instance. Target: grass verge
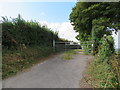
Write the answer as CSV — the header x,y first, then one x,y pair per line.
x,y
69,54
18,60
105,74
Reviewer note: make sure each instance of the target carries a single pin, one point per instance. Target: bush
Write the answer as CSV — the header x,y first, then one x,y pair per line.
x,y
98,31
104,71
106,48
105,74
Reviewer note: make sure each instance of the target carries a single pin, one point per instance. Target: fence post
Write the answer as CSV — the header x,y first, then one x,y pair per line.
x,y
65,46
0,52
53,45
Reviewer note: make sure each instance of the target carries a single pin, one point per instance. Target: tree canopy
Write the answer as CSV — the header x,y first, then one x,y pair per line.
x,y
84,14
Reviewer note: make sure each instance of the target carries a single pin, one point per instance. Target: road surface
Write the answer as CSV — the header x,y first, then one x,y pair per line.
x,y
53,73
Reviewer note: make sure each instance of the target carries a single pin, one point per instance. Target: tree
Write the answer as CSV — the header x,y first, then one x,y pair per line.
x,y
86,15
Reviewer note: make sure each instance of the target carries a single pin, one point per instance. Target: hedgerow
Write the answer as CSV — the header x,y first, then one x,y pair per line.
x,y
17,32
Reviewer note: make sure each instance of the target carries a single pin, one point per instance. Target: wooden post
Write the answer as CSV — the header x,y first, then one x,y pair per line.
x,y
65,46
53,45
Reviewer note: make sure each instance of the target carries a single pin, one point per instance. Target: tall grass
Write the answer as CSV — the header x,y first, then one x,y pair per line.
x,y
104,75
18,60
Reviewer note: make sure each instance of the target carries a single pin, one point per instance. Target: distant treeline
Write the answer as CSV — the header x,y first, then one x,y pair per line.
x,y
17,32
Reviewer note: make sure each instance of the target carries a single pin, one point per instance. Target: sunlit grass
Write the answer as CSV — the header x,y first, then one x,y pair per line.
x,y
118,51
104,75
68,55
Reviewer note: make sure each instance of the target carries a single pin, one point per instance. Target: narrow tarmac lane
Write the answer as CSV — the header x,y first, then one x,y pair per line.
x,y
52,73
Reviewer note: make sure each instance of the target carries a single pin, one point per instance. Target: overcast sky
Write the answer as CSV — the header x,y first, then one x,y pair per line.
x,y
54,14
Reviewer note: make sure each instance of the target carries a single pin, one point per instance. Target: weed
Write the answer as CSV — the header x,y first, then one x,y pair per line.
x,y
104,71
69,54
15,61
105,74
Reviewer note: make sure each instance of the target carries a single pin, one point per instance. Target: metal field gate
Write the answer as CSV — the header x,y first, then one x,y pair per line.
x,y
63,46
87,46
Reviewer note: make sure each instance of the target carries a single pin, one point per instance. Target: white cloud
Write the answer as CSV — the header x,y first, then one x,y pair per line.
x,y
42,13
1,9
65,29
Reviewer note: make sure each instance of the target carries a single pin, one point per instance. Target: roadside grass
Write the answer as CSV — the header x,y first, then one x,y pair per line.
x,y
68,55
118,52
104,75
18,60
80,50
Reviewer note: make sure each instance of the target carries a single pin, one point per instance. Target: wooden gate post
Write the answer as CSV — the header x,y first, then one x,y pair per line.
x,y
53,45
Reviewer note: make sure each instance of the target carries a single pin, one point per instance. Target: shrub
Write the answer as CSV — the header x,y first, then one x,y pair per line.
x,y
104,71
106,48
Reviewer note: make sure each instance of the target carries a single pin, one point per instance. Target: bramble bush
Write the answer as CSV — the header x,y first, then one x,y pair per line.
x,y
105,69
106,48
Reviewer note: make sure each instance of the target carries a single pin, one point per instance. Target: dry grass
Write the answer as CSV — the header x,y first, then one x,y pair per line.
x,y
104,75
16,61
68,55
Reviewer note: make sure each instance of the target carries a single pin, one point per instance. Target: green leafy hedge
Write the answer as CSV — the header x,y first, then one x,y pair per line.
x,y
17,32
106,48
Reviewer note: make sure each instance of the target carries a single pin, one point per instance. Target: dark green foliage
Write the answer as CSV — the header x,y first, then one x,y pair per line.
x,y
104,71
94,17
94,22
99,29
18,32
106,48
84,13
